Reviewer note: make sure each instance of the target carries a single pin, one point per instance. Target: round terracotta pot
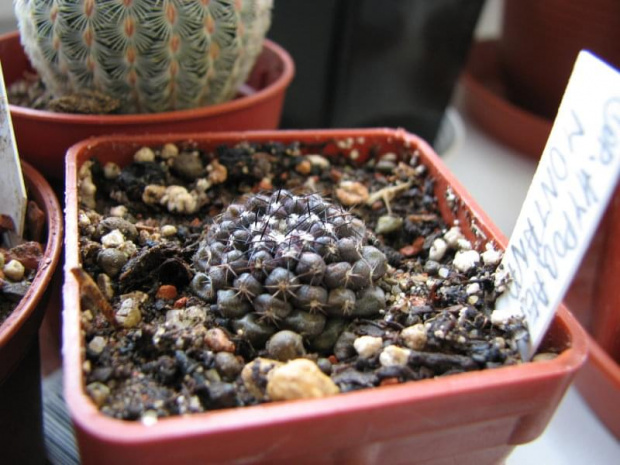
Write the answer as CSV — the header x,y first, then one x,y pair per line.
x,y
485,101
541,40
43,137
594,299
21,433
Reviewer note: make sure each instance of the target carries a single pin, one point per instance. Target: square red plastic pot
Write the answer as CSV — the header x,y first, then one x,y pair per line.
x,y
472,418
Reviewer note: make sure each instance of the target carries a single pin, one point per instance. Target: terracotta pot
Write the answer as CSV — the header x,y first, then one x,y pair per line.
x,y
599,384
595,301
540,43
471,418
43,137
485,99
21,434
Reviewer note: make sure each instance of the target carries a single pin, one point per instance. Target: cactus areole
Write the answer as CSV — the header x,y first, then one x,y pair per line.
x,y
152,55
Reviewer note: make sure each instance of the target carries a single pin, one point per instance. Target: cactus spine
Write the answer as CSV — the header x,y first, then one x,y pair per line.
x,y
152,55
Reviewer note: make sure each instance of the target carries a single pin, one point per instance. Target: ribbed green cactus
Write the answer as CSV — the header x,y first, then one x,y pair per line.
x,y
152,55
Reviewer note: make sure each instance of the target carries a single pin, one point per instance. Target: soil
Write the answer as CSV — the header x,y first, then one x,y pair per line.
x,y
30,92
21,253
157,345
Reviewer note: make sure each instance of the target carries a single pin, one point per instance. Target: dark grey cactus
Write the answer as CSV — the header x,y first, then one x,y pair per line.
x,y
284,261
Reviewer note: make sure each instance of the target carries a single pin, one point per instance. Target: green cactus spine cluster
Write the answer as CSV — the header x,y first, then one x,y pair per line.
x,y
152,55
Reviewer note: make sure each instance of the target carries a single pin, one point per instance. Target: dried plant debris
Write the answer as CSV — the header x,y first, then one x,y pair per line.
x,y
19,262
255,273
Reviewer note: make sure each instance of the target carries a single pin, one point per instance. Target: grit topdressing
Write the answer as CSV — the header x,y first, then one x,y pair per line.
x,y
256,273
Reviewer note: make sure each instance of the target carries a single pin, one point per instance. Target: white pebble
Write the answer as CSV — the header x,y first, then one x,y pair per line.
x,y
463,244
98,392
491,256
394,356
120,211
414,336
149,418
368,346
203,185
169,151
465,260
178,199
472,288
443,272
438,249
97,344
318,160
14,270
500,317
502,278
168,230
128,248
544,357
152,194
111,170
174,318
473,299
387,224
145,154
83,220
452,236
130,313
87,192
113,239
196,314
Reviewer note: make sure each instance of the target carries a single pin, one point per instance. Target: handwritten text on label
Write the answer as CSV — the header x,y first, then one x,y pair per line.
x,y
575,178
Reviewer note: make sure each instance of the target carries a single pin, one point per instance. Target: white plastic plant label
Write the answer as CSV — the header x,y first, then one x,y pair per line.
x,y
573,183
12,189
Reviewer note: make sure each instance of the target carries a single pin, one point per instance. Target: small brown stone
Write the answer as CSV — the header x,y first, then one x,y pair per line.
x,y
417,245
28,254
389,381
351,193
217,340
6,223
335,175
35,218
218,173
180,303
407,251
265,184
304,167
166,292
378,205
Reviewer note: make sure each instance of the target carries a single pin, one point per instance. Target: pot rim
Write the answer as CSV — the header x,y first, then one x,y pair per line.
x,y
237,104
51,254
86,415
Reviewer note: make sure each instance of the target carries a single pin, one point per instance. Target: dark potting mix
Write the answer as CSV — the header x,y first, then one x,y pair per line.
x,y
269,272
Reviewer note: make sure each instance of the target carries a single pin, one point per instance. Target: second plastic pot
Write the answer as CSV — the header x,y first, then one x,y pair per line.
x,y
21,431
